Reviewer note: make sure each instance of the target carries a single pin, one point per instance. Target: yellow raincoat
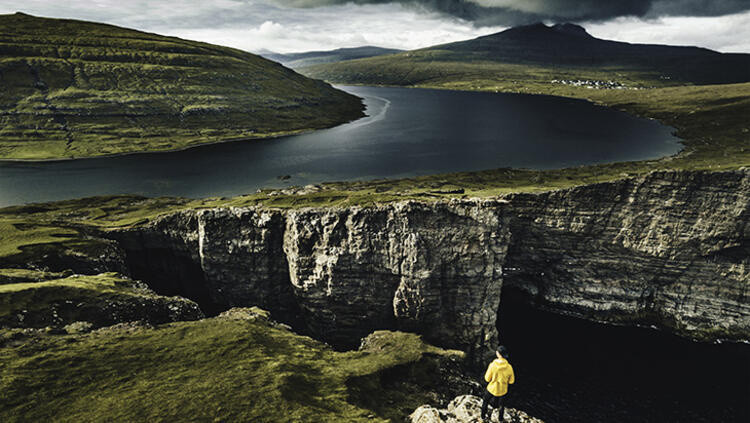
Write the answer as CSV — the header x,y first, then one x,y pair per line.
x,y
499,374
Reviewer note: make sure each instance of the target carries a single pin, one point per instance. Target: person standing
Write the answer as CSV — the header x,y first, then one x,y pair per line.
x,y
498,376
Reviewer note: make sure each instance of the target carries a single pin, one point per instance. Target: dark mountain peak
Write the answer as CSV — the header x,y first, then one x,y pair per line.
x,y
538,27
541,31
570,28
535,26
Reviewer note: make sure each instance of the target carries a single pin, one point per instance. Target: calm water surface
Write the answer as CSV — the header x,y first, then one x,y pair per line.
x,y
408,132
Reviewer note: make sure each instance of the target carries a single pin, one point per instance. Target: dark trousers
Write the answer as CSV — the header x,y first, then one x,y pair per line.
x,y
496,402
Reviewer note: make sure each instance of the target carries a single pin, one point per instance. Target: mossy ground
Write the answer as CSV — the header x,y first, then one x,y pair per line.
x,y
28,234
12,276
102,299
210,370
37,296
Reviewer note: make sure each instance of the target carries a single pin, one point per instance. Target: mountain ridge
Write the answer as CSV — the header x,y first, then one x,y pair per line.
x,y
571,44
308,58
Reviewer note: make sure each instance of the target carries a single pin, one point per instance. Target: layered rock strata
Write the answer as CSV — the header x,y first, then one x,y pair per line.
x,y
671,249
431,268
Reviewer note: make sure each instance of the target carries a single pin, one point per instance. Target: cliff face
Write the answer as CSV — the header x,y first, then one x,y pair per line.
x,y
671,249
436,269
342,273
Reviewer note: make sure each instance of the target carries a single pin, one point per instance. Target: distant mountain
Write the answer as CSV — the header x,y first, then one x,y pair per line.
x,y
564,50
298,60
570,44
76,89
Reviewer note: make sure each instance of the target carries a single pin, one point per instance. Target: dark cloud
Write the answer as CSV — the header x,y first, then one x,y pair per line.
x,y
514,12
698,7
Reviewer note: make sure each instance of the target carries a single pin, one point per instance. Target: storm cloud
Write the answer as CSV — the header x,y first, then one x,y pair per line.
x,y
302,25
515,12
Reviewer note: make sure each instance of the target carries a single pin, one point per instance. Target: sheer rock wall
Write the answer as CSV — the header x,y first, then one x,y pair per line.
x,y
670,249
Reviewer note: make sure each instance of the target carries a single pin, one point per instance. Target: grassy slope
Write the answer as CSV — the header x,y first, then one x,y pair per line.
x,y
48,235
538,53
296,60
13,276
216,369
78,89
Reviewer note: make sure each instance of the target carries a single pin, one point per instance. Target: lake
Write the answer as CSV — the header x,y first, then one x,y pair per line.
x,y
408,132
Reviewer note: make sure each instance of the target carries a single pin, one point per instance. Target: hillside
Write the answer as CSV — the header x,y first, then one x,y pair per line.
x,y
544,53
75,89
238,367
309,58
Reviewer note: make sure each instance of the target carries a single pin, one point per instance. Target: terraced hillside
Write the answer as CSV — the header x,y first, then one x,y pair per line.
x,y
75,89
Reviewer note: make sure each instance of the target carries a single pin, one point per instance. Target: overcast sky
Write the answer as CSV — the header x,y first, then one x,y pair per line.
x,y
301,25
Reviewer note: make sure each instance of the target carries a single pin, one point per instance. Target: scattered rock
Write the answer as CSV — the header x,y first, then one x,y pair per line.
x,y
448,190
243,313
466,409
124,328
78,327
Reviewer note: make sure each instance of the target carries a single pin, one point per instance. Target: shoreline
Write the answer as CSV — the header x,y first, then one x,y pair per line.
x,y
224,141
339,86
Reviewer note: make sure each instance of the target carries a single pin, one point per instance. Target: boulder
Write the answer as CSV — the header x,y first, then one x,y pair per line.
x,y
466,409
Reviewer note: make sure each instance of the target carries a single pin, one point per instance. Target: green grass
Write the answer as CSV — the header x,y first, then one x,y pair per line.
x,y
25,242
16,234
103,299
435,67
37,233
205,371
76,89
8,276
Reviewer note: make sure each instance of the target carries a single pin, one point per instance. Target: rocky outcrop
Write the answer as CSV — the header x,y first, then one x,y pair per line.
x,y
431,268
79,301
467,409
671,249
